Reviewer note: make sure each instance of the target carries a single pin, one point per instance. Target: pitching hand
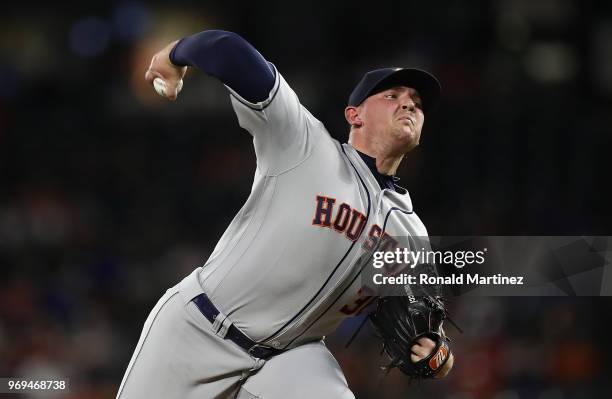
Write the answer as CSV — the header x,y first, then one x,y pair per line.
x,y
171,75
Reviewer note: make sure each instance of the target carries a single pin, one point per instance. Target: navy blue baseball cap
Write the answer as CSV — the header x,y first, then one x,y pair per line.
x,y
382,79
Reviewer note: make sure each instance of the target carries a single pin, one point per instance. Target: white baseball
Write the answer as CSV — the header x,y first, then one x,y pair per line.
x,y
160,86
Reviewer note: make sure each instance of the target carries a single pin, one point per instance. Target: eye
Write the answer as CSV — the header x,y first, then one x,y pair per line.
x,y
390,95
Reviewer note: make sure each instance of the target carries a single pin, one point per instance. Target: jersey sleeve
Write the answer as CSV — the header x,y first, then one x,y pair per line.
x,y
280,126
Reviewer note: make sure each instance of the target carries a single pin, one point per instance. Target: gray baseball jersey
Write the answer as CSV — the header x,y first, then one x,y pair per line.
x,y
283,271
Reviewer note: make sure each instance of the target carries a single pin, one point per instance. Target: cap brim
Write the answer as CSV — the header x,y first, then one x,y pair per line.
x,y
425,83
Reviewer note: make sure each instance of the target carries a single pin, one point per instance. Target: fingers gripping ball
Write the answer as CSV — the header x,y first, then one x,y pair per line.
x,y
161,88
402,322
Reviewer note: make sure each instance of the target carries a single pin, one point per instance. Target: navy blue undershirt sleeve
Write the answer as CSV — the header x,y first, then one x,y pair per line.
x,y
229,58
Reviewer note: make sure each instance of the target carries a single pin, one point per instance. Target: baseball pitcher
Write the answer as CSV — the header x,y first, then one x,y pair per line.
x,y
251,322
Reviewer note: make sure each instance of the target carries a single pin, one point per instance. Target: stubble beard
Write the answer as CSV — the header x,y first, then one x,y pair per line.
x,y
408,138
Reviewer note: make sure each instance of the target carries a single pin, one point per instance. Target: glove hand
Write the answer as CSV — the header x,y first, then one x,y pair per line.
x,y
172,75
423,348
412,335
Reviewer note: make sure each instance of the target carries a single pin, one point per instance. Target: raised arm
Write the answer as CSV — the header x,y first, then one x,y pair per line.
x,y
283,131
224,55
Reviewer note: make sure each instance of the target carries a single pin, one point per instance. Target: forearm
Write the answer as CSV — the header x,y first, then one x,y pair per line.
x,y
229,58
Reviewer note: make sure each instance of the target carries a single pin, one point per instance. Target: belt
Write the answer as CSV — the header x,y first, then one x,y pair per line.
x,y
224,328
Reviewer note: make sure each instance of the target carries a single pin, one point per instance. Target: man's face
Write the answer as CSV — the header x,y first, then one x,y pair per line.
x,y
395,117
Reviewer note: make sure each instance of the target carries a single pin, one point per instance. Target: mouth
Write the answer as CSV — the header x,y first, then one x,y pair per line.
x,y
407,119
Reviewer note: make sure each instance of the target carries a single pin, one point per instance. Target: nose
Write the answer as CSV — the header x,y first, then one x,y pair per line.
x,y
409,105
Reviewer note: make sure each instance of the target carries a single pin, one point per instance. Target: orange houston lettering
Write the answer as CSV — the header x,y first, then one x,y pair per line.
x,y
323,211
346,219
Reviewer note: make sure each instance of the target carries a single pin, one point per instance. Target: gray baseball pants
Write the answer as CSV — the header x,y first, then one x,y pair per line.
x,y
179,355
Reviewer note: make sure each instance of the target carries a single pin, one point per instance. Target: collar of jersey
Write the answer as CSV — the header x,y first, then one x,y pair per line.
x,y
384,181
400,192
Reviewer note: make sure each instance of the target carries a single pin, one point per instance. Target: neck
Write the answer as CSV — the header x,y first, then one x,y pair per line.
x,y
386,162
387,165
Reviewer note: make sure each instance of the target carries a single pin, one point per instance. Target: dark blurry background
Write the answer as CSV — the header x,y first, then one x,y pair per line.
x,y
110,194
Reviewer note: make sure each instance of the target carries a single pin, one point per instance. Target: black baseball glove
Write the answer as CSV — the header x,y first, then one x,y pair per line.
x,y
400,321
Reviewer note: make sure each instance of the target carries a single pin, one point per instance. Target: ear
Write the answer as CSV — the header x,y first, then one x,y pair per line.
x,y
352,116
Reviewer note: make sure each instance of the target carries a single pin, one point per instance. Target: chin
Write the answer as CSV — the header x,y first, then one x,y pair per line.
x,y
406,146
406,139
411,146
411,141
